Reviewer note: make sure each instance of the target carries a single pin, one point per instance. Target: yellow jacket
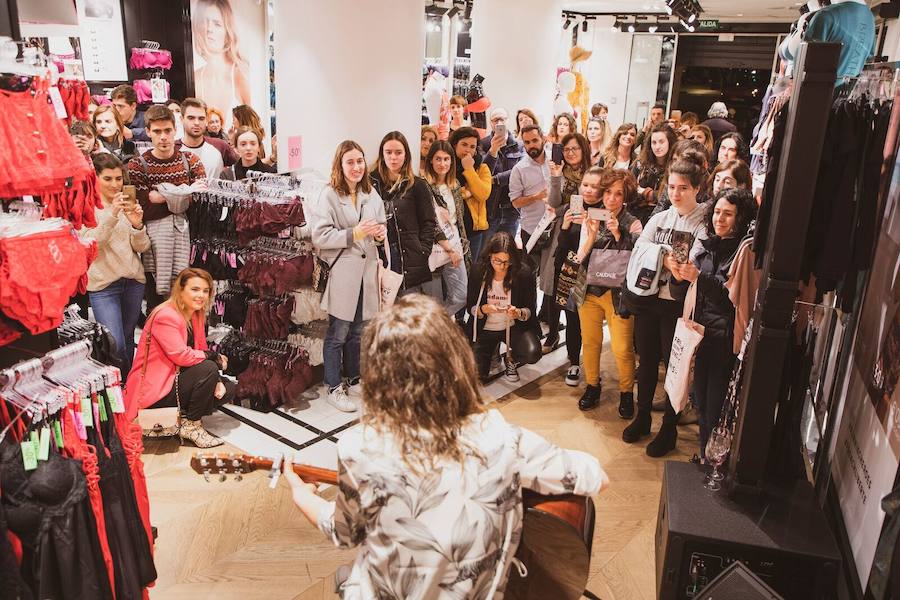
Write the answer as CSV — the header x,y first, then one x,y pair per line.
x,y
479,185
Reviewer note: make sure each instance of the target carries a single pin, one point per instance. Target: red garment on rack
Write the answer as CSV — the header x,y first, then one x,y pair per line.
x,y
131,437
40,159
80,450
39,273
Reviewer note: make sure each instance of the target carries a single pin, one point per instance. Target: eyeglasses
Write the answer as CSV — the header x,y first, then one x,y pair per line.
x,y
499,262
571,150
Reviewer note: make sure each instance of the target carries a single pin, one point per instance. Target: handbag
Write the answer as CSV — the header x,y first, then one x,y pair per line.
x,y
567,280
321,272
389,284
607,267
439,257
688,335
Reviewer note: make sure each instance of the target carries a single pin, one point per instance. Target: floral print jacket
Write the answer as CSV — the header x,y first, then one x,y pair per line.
x,y
451,532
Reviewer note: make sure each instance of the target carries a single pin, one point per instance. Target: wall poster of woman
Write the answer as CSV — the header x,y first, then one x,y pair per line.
x,y
221,71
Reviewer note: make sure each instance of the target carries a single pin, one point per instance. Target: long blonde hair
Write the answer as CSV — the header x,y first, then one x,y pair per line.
x,y
419,379
178,287
198,26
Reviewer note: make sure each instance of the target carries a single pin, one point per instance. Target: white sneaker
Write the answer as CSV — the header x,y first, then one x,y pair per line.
x,y
338,398
573,377
354,390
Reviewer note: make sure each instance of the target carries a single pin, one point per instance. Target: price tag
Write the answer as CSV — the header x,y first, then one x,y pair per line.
x,y
57,101
44,449
57,433
158,90
115,399
80,429
101,404
29,456
87,413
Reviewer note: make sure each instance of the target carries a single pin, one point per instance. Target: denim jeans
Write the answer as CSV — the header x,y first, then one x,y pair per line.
x,y
455,282
341,347
118,307
477,239
505,219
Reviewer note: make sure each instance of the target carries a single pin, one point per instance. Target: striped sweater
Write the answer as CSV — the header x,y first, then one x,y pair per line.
x,y
161,171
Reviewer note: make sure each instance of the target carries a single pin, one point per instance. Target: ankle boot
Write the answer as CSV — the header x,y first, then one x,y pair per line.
x,y
193,431
665,439
590,398
638,428
626,405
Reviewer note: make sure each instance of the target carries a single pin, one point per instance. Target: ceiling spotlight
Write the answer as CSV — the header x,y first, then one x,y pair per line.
x,y
692,18
630,28
568,22
584,26
652,29
615,28
454,10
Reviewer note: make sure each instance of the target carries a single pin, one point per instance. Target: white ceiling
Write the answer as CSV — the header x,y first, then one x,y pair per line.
x,y
726,10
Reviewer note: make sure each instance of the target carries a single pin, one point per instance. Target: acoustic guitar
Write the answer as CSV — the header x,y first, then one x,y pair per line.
x,y
556,539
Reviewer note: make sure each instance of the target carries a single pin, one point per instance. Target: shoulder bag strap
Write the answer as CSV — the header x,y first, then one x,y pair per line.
x,y
187,167
690,302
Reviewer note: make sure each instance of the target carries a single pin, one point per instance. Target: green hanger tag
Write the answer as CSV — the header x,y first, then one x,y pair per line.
x,y
29,456
44,449
57,433
87,414
102,406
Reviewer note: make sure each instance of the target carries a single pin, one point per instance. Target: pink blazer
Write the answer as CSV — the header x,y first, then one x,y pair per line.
x,y
168,350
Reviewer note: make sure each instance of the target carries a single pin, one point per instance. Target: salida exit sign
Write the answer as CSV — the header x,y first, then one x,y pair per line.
x,y
709,24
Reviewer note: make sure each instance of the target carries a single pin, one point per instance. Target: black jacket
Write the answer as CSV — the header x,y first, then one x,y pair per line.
x,y
500,167
412,223
714,309
522,295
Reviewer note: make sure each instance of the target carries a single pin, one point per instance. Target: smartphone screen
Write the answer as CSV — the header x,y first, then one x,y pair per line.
x,y
576,203
500,131
557,154
598,214
130,194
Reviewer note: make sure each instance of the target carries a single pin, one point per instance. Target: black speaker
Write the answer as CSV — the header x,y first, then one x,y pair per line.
x,y
889,10
737,582
781,536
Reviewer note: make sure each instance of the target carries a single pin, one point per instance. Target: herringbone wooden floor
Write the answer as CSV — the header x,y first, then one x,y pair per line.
x,y
242,540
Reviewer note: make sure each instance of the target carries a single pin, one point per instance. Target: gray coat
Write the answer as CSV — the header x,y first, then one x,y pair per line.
x,y
333,220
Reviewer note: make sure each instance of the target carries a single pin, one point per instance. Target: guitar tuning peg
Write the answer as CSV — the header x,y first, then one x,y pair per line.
x,y
222,476
238,476
206,473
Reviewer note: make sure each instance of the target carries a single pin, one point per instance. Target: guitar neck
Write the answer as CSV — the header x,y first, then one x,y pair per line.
x,y
307,473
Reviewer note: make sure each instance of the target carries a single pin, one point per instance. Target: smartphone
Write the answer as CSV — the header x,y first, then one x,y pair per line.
x,y
130,194
500,131
599,214
576,203
557,154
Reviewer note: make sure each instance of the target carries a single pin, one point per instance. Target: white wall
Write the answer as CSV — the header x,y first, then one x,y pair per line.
x,y
892,40
512,47
347,69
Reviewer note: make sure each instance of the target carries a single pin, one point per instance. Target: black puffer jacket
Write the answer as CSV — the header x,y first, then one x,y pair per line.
x,y
411,220
714,309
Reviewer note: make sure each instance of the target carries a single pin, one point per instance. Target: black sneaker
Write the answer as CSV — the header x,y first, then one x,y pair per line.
x,y
626,405
638,428
590,398
512,370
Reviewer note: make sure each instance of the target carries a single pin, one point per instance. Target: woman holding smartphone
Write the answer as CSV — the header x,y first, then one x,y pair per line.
x,y
502,297
348,227
596,305
673,232
116,277
565,181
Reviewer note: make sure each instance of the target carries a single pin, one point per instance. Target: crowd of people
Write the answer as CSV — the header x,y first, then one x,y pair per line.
x,y
492,227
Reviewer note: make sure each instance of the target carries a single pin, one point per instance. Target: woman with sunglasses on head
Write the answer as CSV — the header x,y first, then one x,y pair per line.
x,y
502,296
440,173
